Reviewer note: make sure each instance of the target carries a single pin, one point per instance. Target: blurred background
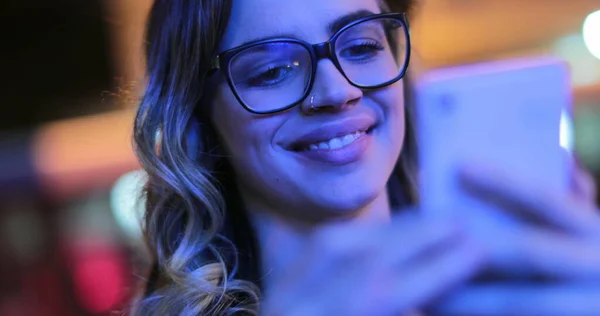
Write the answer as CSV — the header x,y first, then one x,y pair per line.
x,y
69,235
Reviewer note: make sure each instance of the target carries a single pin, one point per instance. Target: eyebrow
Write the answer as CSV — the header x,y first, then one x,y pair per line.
x,y
344,20
333,26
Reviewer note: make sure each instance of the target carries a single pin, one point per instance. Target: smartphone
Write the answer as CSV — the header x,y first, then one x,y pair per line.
x,y
512,114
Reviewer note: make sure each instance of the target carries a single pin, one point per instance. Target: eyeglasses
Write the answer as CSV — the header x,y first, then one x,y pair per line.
x,y
270,76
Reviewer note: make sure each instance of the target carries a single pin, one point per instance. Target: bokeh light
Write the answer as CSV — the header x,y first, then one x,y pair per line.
x,y
127,203
99,276
591,33
585,68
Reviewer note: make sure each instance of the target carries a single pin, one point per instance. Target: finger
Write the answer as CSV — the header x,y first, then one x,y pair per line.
x,y
530,200
424,281
410,238
536,252
345,250
357,261
583,184
405,237
519,299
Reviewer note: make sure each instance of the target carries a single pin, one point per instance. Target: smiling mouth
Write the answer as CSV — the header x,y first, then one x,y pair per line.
x,y
333,143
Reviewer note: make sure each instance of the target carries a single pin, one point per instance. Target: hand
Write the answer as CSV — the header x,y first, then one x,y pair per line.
x,y
389,270
502,299
559,241
583,186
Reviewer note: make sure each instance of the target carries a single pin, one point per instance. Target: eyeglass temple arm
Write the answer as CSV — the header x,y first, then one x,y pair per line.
x,y
215,65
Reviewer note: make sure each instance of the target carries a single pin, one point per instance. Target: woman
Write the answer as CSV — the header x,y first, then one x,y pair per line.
x,y
275,164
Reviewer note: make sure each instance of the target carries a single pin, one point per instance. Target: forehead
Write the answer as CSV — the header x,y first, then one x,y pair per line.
x,y
308,20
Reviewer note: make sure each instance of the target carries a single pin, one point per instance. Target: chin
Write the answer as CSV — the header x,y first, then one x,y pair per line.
x,y
344,202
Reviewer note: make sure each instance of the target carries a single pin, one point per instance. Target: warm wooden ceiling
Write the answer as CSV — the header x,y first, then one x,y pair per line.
x,y
448,32
444,31
455,31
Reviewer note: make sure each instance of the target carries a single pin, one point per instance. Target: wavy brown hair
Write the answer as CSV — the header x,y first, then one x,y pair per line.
x,y
204,250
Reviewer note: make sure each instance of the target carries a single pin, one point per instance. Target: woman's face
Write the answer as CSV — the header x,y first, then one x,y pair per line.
x,y
271,154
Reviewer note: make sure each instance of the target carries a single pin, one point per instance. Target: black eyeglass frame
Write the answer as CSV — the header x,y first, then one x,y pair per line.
x,y
317,52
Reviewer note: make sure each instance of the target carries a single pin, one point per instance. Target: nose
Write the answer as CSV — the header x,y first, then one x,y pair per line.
x,y
331,91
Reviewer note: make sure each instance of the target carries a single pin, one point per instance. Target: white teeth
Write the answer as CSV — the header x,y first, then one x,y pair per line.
x,y
348,138
337,142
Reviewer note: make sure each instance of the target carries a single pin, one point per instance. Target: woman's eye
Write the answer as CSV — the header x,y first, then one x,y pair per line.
x,y
362,51
270,77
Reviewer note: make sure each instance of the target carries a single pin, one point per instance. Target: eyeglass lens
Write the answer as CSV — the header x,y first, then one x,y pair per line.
x,y
275,75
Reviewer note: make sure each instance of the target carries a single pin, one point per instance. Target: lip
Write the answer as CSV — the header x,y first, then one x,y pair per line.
x,y
331,130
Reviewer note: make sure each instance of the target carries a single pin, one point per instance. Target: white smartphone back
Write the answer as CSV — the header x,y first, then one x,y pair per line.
x,y
505,113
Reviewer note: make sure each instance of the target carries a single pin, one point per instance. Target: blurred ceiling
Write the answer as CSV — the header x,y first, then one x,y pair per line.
x,y
457,31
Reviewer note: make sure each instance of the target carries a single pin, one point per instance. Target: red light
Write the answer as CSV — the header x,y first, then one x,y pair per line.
x,y
99,279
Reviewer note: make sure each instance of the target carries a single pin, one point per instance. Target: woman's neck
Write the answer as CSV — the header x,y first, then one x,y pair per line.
x,y
281,239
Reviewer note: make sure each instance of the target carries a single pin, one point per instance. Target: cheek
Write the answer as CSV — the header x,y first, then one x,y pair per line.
x,y
393,129
391,102
232,122
247,138
395,99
